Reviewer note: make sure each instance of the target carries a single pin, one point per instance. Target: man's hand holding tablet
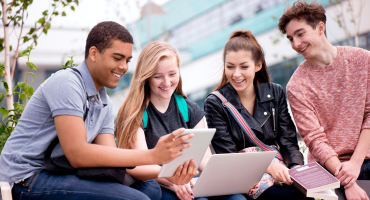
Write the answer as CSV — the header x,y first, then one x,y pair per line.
x,y
170,146
200,140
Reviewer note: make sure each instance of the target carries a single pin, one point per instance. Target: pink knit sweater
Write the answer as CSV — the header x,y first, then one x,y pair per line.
x,y
331,104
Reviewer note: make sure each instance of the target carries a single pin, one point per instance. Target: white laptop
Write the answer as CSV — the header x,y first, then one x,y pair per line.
x,y
232,173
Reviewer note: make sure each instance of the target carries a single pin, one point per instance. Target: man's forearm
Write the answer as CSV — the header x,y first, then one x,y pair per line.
x,y
93,155
145,172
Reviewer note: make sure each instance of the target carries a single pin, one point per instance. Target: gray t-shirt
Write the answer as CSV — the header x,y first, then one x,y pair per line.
x,y
160,124
64,93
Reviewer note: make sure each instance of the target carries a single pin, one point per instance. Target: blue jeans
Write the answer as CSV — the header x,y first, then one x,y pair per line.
x,y
365,171
282,193
43,185
171,195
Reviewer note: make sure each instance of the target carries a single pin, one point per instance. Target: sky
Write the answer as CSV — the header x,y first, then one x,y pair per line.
x,y
89,12
68,34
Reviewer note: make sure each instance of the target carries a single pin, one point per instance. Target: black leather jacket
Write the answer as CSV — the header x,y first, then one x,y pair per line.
x,y
270,122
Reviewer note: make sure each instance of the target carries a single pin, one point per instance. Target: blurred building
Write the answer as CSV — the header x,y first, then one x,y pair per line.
x,y
200,29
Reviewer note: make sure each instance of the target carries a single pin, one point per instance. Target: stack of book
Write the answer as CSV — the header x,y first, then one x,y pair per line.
x,y
315,181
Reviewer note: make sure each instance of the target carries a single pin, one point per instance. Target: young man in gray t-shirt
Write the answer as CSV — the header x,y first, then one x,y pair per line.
x,y
57,109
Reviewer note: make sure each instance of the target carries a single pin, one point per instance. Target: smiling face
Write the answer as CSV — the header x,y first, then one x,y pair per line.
x,y
111,64
303,38
165,80
240,70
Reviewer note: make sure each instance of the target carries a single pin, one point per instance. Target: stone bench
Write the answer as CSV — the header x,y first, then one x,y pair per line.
x,y
6,192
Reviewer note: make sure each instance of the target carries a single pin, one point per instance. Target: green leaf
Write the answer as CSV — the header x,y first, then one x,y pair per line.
x,y
1,97
48,25
25,52
33,76
4,112
73,8
69,1
17,93
2,68
27,88
41,21
18,107
76,1
1,47
64,14
25,39
45,13
6,86
2,129
55,13
32,66
22,53
69,63
31,31
64,4
10,48
45,31
23,97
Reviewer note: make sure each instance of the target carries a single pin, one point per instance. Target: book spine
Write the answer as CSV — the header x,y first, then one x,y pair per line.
x,y
299,187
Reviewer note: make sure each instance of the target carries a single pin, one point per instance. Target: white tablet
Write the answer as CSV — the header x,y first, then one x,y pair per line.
x,y
199,144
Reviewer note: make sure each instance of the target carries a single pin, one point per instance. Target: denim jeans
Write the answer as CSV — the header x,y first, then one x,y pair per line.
x,y
282,193
43,185
171,195
365,171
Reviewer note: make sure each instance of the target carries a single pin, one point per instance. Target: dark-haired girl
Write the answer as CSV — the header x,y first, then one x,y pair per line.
x,y
246,85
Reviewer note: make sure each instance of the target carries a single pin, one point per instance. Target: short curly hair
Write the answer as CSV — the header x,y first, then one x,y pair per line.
x,y
312,13
103,34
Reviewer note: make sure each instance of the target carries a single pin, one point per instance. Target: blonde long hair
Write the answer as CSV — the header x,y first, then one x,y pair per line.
x,y
130,115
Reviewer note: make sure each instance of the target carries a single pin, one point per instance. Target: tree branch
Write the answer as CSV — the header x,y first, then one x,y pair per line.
x,y
10,6
16,51
15,15
49,20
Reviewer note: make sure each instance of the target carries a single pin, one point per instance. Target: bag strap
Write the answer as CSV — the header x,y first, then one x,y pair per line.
x,y
181,103
53,144
183,106
244,125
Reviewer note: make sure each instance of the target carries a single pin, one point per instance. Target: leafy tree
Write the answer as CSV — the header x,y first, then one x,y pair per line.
x,y
13,15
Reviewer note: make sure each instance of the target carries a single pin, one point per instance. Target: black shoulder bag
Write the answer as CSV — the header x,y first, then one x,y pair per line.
x,y
61,166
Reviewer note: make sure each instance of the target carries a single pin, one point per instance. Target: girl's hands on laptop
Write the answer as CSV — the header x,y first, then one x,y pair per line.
x,y
184,173
169,147
279,172
183,192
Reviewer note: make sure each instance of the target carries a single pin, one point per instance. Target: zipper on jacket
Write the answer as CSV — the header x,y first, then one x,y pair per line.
x,y
273,118
266,120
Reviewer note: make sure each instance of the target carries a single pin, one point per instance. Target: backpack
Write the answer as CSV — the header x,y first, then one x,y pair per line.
x,y
181,103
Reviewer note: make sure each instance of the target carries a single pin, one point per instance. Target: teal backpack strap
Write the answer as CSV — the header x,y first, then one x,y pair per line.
x,y
145,119
183,106
181,103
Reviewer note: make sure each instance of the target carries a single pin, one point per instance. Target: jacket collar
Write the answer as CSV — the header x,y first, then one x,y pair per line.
x,y
264,94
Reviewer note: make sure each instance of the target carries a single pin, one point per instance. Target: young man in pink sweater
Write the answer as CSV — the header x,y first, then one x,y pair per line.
x,y
329,95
